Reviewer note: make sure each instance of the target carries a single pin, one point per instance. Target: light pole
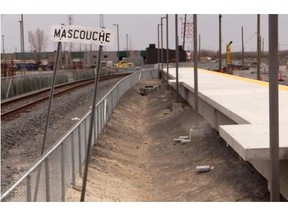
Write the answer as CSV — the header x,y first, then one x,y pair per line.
x,y
176,56
167,50
220,40
195,62
158,50
162,45
127,44
117,38
3,50
258,47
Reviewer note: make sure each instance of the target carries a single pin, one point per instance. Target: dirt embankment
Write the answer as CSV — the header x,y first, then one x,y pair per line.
x,y
136,158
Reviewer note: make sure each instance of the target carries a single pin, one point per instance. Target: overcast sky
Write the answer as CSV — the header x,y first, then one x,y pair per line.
x,y
142,28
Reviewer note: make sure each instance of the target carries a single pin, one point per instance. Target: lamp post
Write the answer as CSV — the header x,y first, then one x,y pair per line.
x,y
167,50
117,26
176,56
220,40
158,50
258,47
162,45
127,44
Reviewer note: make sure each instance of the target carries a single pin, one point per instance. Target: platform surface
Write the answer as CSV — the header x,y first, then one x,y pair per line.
x,y
245,101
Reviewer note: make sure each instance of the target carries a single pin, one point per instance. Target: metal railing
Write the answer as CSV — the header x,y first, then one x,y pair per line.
x,y
50,177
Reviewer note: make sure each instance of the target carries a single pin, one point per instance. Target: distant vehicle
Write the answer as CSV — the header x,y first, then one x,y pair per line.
x,y
123,64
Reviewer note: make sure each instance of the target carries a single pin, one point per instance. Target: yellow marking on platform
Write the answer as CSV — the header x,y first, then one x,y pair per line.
x,y
258,82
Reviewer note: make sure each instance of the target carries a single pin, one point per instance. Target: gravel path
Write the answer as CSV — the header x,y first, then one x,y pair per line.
x,y
21,138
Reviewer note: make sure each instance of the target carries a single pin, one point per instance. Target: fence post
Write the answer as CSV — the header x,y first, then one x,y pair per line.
x,y
73,158
47,180
85,134
95,128
79,145
29,198
62,173
85,140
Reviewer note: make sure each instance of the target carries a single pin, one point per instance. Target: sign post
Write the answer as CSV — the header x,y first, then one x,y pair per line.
x,y
96,36
50,98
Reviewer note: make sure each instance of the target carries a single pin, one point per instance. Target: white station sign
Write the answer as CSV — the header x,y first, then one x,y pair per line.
x,y
80,34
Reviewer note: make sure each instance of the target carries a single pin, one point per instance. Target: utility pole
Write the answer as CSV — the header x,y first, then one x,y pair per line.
x,y
22,35
22,40
220,45
242,36
258,47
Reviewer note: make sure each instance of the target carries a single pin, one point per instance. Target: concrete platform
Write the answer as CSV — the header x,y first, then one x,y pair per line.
x,y
239,109
244,101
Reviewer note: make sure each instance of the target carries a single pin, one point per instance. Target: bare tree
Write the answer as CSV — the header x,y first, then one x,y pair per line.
x,y
38,42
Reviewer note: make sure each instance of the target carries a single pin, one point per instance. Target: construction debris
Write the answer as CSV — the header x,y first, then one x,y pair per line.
x,y
147,90
182,139
203,168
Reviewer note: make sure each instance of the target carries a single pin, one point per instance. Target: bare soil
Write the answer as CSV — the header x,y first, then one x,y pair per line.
x,y
136,158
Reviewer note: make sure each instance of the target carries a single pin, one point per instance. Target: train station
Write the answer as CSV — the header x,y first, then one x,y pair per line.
x,y
168,123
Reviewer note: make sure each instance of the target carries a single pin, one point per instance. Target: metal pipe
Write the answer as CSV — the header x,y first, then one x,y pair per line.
x,y
162,55
50,98
242,36
258,47
167,49
47,179
177,57
273,107
79,146
91,128
127,44
220,44
195,62
29,196
158,51
73,159
62,173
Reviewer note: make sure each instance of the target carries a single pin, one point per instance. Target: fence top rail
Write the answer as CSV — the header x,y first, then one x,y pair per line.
x,y
61,140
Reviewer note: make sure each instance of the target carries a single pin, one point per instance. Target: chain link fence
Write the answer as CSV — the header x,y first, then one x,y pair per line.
x,y
50,177
21,84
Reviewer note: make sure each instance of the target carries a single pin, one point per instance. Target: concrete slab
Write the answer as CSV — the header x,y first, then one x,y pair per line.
x,y
246,102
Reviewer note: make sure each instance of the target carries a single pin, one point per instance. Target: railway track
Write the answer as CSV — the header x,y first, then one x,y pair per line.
x,y
13,107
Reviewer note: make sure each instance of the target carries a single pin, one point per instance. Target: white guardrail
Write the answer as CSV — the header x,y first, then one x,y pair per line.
x,y
50,177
